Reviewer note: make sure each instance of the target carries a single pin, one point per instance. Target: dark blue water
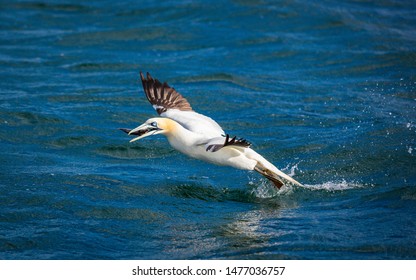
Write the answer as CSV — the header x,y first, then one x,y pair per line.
x,y
326,90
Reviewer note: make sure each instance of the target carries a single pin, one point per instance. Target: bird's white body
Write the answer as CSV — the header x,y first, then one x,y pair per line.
x,y
199,136
194,145
196,123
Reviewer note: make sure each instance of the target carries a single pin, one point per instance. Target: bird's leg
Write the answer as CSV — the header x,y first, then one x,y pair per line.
x,y
268,174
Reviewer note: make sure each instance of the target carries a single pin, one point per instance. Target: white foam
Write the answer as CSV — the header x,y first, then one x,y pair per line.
x,y
264,189
335,186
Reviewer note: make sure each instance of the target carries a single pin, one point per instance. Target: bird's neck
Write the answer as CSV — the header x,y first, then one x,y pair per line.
x,y
179,137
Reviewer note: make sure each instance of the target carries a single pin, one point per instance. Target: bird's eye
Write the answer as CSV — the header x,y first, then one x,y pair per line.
x,y
154,124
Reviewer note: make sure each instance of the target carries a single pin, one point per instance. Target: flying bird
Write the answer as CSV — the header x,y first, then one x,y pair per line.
x,y
199,136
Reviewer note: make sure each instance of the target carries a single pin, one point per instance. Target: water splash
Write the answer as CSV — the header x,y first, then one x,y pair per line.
x,y
264,189
291,170
335,186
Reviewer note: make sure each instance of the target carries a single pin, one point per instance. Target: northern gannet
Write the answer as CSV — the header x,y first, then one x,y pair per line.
x,y
199,136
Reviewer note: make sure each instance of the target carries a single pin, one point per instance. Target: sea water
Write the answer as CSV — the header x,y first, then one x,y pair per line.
x,y
326,90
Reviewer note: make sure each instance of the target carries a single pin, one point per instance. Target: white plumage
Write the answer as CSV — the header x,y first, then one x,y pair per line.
x,y
195,122
199,136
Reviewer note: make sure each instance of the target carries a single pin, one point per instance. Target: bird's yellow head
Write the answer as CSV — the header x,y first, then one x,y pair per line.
x,y
152,126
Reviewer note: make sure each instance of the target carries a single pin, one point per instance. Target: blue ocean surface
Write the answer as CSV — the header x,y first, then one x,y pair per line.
x,y
326,90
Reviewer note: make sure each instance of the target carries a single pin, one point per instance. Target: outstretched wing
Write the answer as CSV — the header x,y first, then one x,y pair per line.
x,y
162,96
171,104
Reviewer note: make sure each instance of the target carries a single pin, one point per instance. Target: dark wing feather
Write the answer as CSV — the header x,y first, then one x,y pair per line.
x,y
240,142
162,96
236,142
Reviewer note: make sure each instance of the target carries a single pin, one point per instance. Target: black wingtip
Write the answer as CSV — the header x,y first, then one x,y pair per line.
x,y
148,76
236,141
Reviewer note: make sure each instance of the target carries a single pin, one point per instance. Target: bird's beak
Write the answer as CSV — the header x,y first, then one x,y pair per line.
x,y
142,131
